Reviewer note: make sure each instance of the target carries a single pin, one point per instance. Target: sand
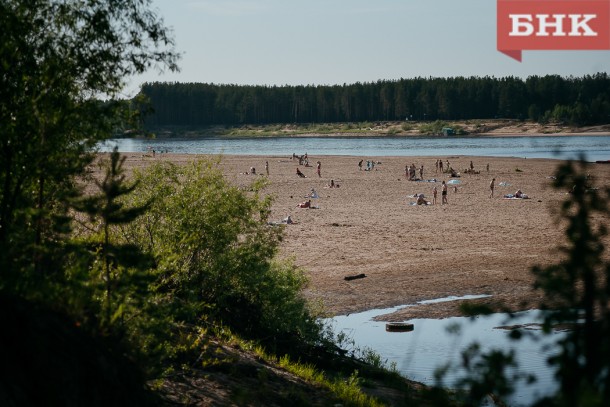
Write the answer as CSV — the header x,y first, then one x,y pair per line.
x,y
474,245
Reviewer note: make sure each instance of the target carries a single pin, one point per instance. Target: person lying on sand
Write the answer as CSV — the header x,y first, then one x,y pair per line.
x,y
300,174
517,195
306,204
286,221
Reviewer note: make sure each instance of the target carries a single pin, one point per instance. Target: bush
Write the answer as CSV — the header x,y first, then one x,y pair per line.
x,y
214,253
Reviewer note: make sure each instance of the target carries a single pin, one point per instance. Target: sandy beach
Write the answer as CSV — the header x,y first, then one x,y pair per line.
x,y
474,245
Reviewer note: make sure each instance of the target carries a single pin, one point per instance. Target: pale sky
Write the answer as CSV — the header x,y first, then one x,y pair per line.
x,y
327,42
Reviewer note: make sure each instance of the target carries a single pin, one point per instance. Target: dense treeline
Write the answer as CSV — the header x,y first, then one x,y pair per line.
x,y
584,100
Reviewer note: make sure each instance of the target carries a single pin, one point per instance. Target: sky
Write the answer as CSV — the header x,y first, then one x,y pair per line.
x,y
327,42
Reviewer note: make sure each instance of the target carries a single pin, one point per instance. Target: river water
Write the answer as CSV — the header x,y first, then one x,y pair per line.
x,y
563,147
433,343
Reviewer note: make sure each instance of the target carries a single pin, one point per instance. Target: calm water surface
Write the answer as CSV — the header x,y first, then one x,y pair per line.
x,y
594,147
417,354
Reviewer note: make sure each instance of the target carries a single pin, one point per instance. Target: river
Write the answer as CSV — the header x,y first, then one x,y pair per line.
x,y
558,147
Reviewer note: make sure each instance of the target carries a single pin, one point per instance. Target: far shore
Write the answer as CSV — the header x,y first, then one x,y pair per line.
x,y
466,128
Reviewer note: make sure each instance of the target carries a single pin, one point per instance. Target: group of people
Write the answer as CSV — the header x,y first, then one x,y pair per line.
x,y
411,170
253,170
370,165
446,168
303,160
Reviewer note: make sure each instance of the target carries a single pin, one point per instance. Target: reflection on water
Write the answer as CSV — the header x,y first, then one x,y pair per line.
x,y
594,147
417,354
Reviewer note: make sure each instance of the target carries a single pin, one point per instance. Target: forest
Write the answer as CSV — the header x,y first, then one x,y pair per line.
x,y
575,101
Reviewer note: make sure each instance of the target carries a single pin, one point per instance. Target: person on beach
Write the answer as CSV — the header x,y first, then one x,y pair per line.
x,y
434,193
440,165
421,172
407,172
360,165
252,170
332,184
436,167
492,185
421,200
267,167
487,167
520,194
319,168
300,174
306,204
444,193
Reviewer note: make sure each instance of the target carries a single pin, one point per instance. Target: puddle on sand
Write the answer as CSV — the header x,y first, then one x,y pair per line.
x,y
417,354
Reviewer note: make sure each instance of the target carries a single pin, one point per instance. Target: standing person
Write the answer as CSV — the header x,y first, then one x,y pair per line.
x,y
421,172
440,165
436,167
407,171
267,167
487,167
434,193
492,184
360,165
444,193
319,168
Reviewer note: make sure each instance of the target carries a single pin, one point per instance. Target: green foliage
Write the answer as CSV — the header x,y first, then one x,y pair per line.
x,y
119,263
488,373
56,59
454,98
348,391
435,127
214,253
577,291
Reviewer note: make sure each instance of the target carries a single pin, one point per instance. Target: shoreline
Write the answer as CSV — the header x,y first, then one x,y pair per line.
x,y
472,246
463,128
